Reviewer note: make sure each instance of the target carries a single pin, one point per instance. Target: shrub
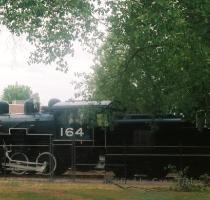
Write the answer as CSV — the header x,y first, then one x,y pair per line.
x,y
185,183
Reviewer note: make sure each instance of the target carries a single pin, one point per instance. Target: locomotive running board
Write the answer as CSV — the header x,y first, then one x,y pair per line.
x,y
25,168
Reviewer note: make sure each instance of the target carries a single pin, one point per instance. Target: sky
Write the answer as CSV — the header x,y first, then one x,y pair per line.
x,y
42,79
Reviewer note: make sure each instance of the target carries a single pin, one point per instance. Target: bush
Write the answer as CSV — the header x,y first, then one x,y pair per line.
x,y
204,179
185,183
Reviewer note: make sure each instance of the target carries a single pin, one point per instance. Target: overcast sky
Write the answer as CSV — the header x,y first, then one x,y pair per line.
x,y
42,79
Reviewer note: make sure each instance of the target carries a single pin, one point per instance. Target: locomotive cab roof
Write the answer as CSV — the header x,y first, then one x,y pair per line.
x,y
77,104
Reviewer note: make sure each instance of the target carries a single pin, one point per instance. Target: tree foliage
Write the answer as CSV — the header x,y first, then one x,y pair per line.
x,y
16,92
51,26
155,58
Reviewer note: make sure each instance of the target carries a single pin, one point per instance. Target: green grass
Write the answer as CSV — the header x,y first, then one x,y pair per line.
x,y
28,190
130,194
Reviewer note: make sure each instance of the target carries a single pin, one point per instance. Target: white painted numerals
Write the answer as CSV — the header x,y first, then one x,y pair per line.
x,y
79,132
69,132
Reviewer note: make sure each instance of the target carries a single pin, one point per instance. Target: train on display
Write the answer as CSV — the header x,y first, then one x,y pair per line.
x,y
89,135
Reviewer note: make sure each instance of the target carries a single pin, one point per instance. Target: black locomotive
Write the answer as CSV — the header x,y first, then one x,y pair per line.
x,y
99,135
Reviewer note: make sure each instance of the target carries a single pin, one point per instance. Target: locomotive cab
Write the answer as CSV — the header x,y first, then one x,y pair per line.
x,y
80,120
82,124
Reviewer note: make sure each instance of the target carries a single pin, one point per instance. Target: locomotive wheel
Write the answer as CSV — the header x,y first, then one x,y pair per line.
x,y
19,157
49,159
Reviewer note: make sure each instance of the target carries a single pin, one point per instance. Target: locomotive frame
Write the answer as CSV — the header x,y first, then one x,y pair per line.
x,y
102,139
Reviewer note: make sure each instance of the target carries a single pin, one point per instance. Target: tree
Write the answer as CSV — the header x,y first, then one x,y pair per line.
x,y
16,92
155,58
51,25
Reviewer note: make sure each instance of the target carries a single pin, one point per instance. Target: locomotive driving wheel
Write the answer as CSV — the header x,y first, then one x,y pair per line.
x,y
19,156
49,160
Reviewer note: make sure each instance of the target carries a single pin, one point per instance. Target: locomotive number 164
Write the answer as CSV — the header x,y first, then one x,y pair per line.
x,y
70,132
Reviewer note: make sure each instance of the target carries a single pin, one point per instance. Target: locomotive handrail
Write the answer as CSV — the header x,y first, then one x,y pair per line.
x,y
35,145
19,145
92,146
102,146
160,155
